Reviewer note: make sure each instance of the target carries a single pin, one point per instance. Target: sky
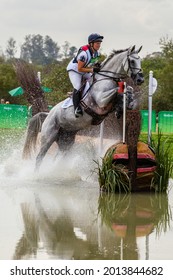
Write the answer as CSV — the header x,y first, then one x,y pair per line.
x,y
123,23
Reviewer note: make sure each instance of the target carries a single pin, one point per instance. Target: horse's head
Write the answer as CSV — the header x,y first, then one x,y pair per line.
x,y
133,65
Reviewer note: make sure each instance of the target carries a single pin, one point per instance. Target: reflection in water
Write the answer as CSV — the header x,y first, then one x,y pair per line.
x,y
73,226
54,234
28,243
134,215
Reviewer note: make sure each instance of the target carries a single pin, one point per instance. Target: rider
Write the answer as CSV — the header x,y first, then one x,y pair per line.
x,y
82,66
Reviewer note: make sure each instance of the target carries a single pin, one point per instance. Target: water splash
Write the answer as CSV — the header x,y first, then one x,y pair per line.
x,y
77,164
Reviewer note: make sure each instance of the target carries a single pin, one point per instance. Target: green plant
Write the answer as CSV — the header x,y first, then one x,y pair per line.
x,y
164,161
112,178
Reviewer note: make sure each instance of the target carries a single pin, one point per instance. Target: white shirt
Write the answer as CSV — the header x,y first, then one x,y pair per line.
x,y
84,56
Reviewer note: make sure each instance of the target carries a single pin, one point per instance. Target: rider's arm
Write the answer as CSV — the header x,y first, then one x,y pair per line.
x,y
82,68
81,61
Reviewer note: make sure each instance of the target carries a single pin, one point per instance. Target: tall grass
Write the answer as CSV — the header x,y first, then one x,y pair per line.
x,y
164,160
112,178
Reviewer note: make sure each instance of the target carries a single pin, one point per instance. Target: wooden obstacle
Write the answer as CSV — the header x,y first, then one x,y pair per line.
x,y
137,158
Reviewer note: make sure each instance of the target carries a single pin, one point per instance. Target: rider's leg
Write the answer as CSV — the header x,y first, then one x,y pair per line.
x,y
77,93
76,102
76,80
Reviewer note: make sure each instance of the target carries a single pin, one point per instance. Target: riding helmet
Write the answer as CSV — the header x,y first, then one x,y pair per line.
x,y
95,37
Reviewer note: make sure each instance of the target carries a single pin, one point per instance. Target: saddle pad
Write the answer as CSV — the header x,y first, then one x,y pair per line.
x,y
68,102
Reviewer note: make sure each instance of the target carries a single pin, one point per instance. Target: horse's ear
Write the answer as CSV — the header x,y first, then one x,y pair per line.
x,y
139,49
132,49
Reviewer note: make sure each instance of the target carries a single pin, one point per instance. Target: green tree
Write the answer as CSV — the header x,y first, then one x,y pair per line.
x,y
68,52
32,49
164,99
25,52
155,63
162,67
11,48
39,50
72,51
51,50
166,46
55,76
8,80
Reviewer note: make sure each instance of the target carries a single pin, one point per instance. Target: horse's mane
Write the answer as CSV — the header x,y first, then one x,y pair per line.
x,y
114,52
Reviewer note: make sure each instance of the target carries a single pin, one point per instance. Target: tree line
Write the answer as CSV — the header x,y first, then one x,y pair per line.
x,y
39,50
45,55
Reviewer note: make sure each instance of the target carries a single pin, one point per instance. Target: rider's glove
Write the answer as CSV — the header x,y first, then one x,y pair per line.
x,y
96,69
97,64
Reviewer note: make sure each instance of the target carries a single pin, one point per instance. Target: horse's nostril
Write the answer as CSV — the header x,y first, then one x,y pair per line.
x,y
139,78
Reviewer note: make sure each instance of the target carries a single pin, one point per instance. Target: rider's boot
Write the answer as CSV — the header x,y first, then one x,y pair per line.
x,y
76,102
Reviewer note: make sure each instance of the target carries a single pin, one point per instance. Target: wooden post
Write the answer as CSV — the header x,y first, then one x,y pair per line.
x,y
133,126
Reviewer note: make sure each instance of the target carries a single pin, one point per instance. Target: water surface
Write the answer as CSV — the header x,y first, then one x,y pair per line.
x,y
59,212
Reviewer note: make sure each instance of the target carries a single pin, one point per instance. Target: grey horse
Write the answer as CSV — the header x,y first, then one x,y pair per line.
x,y
99,99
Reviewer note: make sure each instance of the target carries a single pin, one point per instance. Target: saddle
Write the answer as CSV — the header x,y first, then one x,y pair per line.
x,y
97,118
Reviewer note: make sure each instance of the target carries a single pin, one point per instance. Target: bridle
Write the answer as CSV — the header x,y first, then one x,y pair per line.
x,y
116,79
131,67
119,76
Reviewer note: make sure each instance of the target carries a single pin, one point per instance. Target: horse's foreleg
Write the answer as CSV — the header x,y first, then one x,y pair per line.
x,y
41,155
45,145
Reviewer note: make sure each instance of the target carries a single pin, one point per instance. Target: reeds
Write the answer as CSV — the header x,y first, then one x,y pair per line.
x,y
164,162
112,178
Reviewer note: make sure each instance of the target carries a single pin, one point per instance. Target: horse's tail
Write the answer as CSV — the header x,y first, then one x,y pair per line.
x,y
34,127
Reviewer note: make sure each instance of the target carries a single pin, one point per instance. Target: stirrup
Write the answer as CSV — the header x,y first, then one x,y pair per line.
x,y
78,112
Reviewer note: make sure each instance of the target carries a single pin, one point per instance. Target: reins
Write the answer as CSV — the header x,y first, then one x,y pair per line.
x,y
121,76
